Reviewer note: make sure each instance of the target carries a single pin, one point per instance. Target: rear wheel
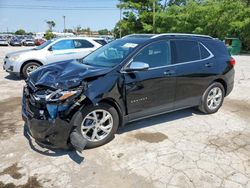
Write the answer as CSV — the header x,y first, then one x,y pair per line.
x,y
212,98
98,124
28,68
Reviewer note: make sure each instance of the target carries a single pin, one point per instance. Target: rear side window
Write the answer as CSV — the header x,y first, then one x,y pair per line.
x,y
83,44
100,41
186,50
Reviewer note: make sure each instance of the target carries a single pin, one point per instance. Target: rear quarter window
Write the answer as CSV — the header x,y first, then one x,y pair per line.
x,y
217,47
204,53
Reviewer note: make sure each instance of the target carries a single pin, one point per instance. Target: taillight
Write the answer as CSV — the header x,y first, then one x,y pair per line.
x,y
232,62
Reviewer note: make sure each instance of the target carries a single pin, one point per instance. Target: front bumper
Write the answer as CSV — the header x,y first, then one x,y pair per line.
x,y
4,44
16,44
52,125
29,44
52,133
11,67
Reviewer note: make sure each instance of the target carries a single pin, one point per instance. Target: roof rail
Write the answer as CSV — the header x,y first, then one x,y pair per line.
x,y
139,36
182,34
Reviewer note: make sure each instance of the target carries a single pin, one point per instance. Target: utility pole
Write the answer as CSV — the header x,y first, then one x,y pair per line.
x,y
120,20
154,16
64,17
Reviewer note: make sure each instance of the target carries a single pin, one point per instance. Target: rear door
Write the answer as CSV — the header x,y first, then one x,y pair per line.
x,y
83,47
194,71
151,91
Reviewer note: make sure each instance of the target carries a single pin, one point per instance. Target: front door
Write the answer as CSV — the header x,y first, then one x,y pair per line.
x,y
151,91
61,51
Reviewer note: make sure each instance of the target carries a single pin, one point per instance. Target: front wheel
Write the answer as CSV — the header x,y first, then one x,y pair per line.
x,y
28,68
98,124
212,98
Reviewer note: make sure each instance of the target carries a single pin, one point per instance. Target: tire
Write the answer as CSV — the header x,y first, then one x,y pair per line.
x,y
215,89
27,67
86,112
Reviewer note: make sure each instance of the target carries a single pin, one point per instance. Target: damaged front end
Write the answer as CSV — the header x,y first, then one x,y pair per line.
x,y
48,114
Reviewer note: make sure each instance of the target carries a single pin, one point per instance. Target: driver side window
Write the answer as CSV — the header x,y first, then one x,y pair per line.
x,y
155,55
63,45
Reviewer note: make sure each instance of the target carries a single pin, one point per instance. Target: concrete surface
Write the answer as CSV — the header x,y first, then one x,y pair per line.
x,y
180,149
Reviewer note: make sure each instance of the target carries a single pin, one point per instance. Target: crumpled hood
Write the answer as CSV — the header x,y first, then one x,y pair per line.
x,y
65,75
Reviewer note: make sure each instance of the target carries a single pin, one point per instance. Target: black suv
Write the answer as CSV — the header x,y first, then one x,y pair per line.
x,y
84,101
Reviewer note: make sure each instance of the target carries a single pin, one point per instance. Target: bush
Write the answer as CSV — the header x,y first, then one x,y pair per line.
x,y
49,35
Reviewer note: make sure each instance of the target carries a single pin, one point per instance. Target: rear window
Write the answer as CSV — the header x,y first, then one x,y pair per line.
x,y
83,44
186,50
100,41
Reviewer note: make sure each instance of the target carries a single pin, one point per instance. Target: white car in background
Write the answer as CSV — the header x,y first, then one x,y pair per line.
x,y
4,42
22,63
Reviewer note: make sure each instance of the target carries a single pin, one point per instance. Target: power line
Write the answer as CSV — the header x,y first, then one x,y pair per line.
x,y
55,7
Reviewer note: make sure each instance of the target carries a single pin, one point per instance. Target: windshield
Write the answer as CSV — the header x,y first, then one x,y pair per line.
x,y
111,54
44,45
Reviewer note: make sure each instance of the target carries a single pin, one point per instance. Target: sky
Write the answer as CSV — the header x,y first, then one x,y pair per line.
x,y
31,15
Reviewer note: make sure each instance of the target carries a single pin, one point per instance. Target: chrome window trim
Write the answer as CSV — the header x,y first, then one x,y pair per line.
x,y
130,61
182,63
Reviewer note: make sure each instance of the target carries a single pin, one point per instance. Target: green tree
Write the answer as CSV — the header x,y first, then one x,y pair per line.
x,y
68,31
50,24
49,35
137,16
103,32
218,18
20,32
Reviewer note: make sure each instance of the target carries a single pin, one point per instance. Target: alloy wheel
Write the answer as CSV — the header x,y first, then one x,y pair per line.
x,y
214,98
97,125
31,68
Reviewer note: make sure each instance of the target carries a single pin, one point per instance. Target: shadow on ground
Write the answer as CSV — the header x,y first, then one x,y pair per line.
x,y
164,118
12,77
52,152
129,127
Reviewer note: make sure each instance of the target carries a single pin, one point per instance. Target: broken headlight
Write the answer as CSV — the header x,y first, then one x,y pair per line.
x,y
58,95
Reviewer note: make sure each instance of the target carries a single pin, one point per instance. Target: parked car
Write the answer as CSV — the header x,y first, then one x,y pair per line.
x,y
101,41
38,42
84,102
15,42
22,63
4,42
28,42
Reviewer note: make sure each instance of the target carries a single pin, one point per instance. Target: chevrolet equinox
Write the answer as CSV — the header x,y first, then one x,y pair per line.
x,y
82,102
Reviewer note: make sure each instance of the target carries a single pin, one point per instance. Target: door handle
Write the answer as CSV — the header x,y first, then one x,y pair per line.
x,y
169,72
209,64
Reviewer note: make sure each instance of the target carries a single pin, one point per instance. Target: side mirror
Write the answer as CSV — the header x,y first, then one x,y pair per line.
x,y
137,66
50,49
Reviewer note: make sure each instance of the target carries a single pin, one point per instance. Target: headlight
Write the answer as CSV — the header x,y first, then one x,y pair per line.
x,y
14,57
57,95
60,95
